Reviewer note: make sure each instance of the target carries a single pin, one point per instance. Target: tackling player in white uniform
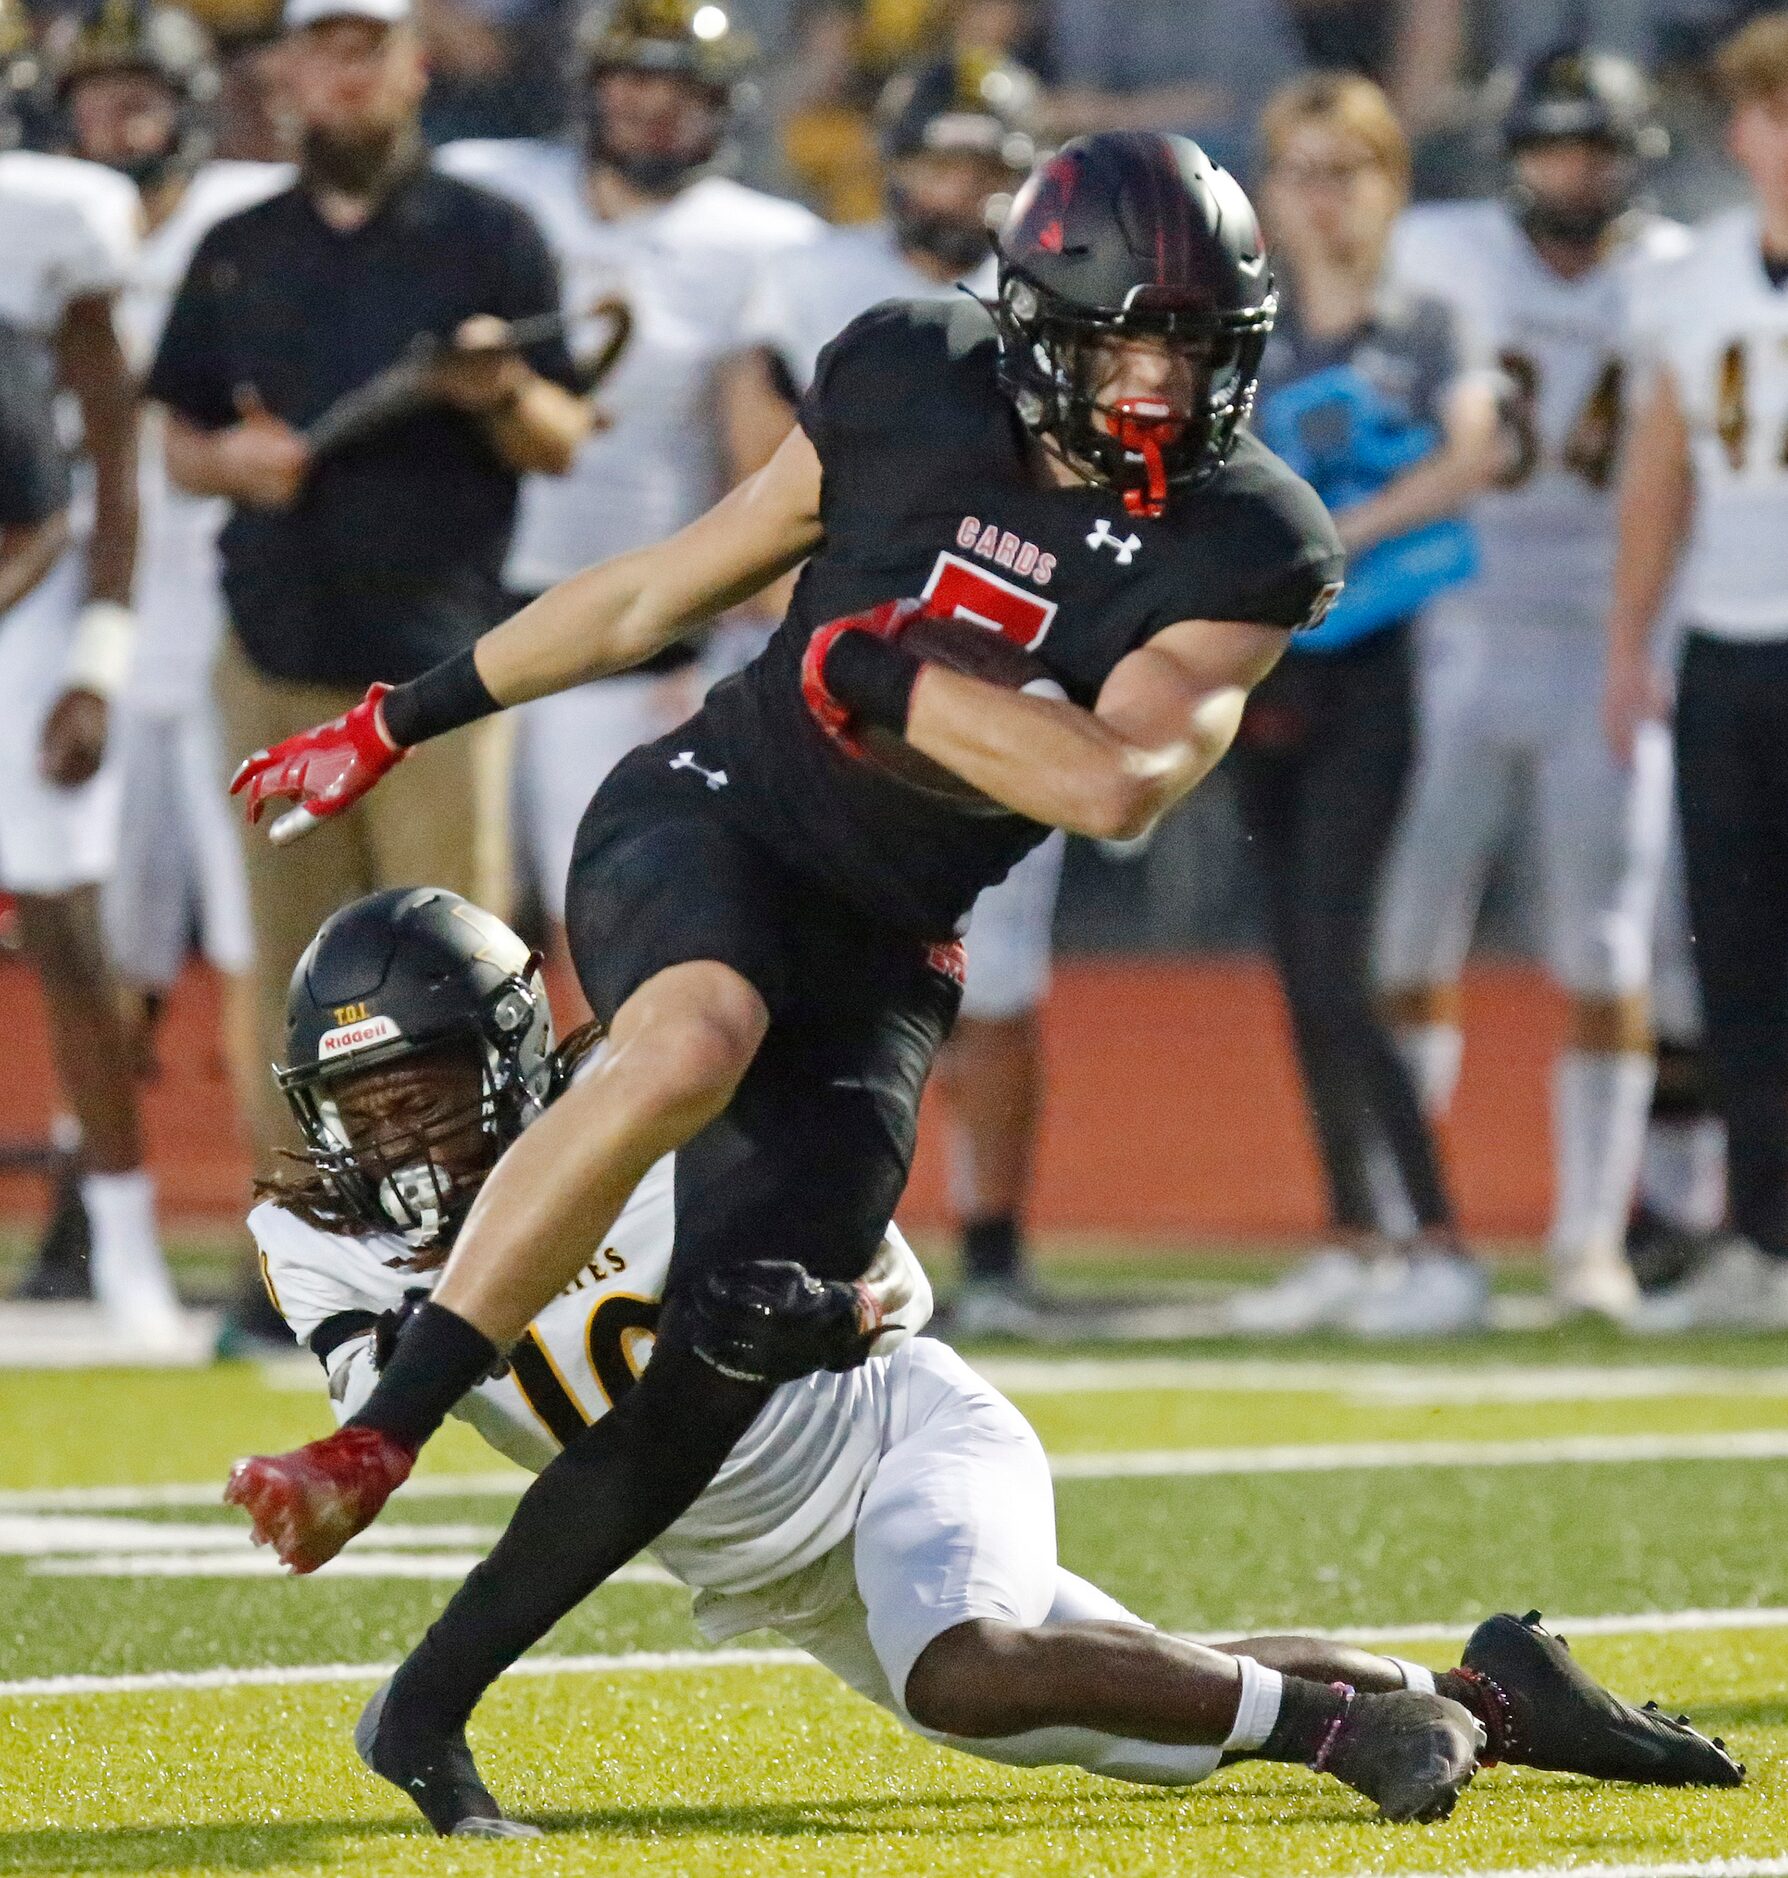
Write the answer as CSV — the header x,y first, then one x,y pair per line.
x,y
891,1515
68,231
1704,500
658,253
1514,660
955,140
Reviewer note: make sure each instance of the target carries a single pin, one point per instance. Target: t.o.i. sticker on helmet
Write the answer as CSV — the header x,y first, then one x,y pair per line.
x,y
347,1038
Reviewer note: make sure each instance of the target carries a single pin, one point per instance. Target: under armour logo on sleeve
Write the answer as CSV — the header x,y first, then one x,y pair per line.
x,y
685,759
1125,550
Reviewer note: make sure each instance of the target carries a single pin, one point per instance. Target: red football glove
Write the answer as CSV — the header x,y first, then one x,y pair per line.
x,y
324,770
887,621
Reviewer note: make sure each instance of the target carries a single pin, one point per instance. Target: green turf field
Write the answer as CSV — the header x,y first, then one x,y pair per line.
x,y
1642,1490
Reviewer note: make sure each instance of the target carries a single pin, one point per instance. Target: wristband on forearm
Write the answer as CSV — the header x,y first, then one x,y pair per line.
x,y
442,699
873,678
99,657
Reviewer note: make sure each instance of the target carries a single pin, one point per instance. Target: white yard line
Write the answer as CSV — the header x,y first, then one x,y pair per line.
x,y
1769,1444
1414,1384
1672,1868
507,1483
444,1567
1761,1444
1644,1623
656,1662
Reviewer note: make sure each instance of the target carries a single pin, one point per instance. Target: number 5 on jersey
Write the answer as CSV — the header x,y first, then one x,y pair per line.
x,y
958,589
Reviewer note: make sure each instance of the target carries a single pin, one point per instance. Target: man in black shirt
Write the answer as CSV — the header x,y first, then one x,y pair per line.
x,y
764,918
378,558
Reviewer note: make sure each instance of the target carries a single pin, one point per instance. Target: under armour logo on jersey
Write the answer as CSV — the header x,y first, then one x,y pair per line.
x,y
1125,550
685,759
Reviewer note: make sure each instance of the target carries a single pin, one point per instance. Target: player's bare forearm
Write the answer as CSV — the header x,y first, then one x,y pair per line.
x,y
1657,494
92,366
614,615
27,555
1166,716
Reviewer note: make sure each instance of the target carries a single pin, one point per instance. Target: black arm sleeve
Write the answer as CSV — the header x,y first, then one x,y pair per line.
x,y
33,471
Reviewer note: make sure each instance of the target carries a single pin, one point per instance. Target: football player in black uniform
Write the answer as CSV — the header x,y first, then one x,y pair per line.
x,y
762,916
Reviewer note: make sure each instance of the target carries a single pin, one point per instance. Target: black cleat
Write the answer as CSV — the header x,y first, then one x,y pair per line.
x,y
1549,1712
437,1773
1411,1752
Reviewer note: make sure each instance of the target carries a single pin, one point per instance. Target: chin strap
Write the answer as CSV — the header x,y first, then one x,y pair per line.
x,y
1144,427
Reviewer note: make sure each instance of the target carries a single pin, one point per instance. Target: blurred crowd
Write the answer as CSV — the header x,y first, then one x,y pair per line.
x,y
680,203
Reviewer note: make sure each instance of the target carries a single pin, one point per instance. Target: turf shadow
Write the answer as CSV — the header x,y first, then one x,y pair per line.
x,y
180,1848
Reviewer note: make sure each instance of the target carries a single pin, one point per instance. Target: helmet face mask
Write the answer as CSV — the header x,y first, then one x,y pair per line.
x,y
420,1045
1122,249
957,137
1059,362
407,1143
136,40
693,48
1572,190
1579,127
127,118
937,204
658,131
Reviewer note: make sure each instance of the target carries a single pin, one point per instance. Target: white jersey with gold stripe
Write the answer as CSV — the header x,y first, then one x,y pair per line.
x,y
1715,321
789,1491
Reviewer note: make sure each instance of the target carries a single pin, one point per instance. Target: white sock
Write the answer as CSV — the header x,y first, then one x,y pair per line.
x,y
130,1276
1682,1173
1257,1708
1414,1675
1600,1105
1434,1053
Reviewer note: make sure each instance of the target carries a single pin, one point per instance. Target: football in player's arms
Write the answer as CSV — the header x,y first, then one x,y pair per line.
x,y
848,1515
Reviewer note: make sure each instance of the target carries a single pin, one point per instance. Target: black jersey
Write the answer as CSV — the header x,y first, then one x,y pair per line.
x,y
930,488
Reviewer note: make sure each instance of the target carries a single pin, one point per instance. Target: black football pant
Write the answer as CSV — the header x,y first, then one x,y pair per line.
x,y
1732,789
806,1163
1319,767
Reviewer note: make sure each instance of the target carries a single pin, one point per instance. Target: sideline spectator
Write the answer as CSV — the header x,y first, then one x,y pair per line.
x,y
1705,498
1361,391
1513,663
375,560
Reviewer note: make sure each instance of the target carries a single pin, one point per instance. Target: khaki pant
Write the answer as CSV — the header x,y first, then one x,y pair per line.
x,y
438,820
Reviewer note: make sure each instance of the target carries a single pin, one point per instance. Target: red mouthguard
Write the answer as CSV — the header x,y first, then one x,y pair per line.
x,y
1144,426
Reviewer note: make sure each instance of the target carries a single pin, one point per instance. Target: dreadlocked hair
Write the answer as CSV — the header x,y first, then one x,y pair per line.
x,y
307,1193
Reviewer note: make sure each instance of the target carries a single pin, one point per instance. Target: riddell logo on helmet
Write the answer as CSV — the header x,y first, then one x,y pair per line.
x,y
348,1038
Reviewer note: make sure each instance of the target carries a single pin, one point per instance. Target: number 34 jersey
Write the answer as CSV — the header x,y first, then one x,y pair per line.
x,y
665,290
789,1491
1546,532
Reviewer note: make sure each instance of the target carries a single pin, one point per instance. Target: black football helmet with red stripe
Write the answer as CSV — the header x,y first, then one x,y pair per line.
x,y
1133,234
